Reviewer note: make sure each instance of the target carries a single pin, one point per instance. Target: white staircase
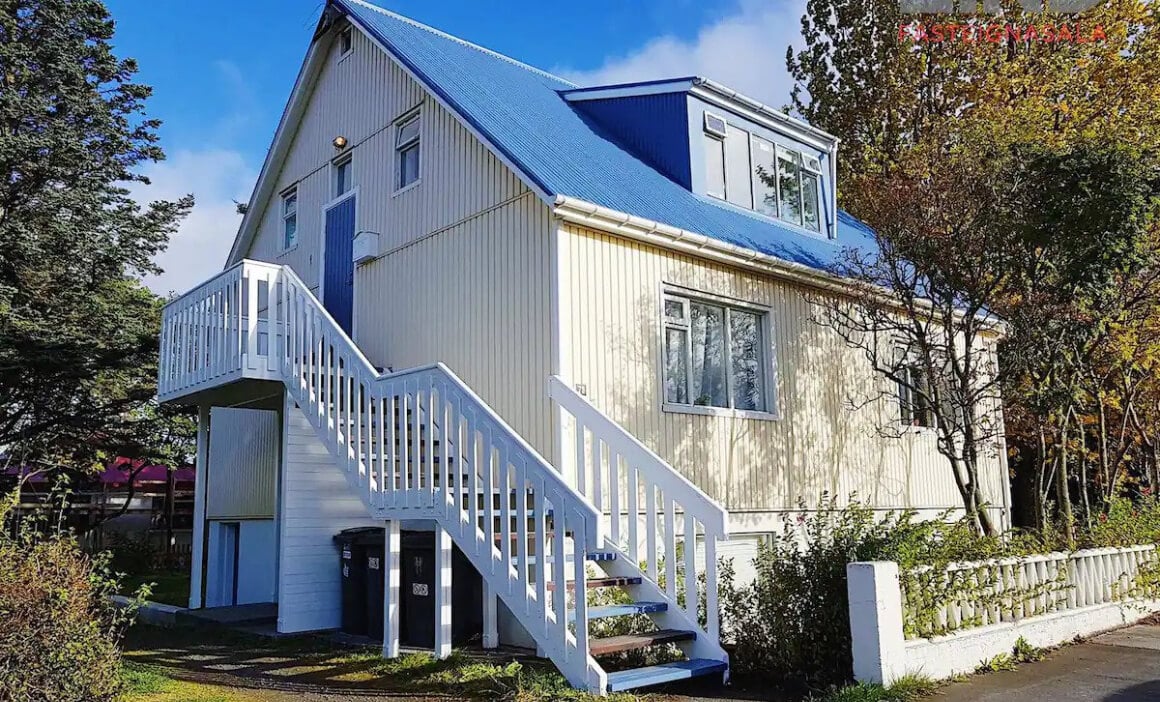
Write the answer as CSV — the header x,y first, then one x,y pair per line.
x,y
419,444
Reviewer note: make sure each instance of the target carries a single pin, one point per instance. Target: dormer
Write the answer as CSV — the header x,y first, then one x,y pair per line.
x,y
723,146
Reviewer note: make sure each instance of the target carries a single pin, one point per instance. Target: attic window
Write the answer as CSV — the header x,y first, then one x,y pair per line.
x,y
346,41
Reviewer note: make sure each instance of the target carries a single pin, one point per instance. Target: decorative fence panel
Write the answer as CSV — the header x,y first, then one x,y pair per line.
x,y
941,622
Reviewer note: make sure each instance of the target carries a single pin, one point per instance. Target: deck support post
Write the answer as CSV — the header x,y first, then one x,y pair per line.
x,y
391,580
200,479
490,618
442,593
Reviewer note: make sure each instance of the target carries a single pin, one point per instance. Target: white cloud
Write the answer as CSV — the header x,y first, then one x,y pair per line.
x,y
744,50
216,177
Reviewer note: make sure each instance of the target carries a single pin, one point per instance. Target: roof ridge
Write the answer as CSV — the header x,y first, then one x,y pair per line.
x,y
477,47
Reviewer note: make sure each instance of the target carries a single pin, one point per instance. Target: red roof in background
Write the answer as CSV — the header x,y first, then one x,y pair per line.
x,y
117,473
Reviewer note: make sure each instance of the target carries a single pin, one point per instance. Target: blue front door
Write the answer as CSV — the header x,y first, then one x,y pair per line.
x,y
338,276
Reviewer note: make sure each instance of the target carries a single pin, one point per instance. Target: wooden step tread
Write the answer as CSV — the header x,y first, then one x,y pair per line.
x,y
666,672
621,610
596,583
632,642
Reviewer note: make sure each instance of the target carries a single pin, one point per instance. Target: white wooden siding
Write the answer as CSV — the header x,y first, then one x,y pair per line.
x,y
611,291
316,503
360,97
474,296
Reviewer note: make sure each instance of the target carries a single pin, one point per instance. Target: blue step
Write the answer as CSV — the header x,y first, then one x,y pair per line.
x,y
568,558
621,610
667,672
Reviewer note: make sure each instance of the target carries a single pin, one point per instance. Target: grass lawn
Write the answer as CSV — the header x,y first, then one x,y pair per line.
x,y
167,588
144,683
198,665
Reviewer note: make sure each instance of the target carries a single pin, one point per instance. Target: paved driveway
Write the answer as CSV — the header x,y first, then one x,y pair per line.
x,y
1123,666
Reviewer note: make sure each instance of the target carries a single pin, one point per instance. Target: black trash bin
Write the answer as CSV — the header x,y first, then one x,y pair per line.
x,y
355,546
417,589
417,592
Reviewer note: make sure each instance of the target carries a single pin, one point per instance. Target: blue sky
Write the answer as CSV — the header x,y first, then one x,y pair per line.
x,y
222,70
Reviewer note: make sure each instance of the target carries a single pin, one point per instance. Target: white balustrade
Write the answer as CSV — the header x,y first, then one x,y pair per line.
x,y
640,494
1013,589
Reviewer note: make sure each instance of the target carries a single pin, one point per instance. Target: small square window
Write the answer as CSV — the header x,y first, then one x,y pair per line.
x,y
715,124
346,41
407,152
289,219
343,173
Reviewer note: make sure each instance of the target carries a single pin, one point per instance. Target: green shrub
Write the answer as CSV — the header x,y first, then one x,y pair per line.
x,y
1128,522
59,635
791,624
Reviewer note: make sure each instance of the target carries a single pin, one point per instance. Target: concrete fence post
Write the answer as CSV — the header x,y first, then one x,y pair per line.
x,y
878,644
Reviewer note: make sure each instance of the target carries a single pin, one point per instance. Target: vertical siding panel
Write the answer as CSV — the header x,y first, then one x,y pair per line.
x,y
818,444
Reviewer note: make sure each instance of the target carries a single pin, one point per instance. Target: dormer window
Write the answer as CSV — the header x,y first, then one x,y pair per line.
x,y
755,173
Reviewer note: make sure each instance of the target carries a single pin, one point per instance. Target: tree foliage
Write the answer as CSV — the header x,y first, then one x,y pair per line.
x,y
1016,180
78,331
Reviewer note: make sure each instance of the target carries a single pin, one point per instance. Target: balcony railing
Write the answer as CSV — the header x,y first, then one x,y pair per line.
x,y
222,331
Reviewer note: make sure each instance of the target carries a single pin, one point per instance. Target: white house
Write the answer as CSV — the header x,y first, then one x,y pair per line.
x,y
472,304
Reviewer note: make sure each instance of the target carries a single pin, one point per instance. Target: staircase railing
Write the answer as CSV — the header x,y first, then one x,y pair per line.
x,y
413,444
646,499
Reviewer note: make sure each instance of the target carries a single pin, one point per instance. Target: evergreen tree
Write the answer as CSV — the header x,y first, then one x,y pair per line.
x,y
78,331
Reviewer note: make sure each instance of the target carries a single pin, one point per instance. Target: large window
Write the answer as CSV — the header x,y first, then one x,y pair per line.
x,y
754,173
289,219
407,152
714,355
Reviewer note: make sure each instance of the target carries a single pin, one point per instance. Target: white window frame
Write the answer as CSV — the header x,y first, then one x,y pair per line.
x,y
291,192
768,350
906,400
724,140
416,142
344,35
344,160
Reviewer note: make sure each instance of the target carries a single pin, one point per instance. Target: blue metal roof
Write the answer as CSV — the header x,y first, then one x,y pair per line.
x,y
521,111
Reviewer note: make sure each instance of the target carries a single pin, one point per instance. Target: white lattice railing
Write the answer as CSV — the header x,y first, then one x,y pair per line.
x,y
1013,589
653,514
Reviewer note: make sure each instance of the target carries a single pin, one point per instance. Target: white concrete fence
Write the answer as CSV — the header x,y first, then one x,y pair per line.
x,y
956,619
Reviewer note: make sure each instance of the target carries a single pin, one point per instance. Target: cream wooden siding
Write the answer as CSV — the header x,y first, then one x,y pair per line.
x,y
612,339
476,297
360,97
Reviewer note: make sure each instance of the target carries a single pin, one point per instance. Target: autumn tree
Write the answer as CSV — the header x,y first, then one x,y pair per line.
x,y
78,331
910,114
